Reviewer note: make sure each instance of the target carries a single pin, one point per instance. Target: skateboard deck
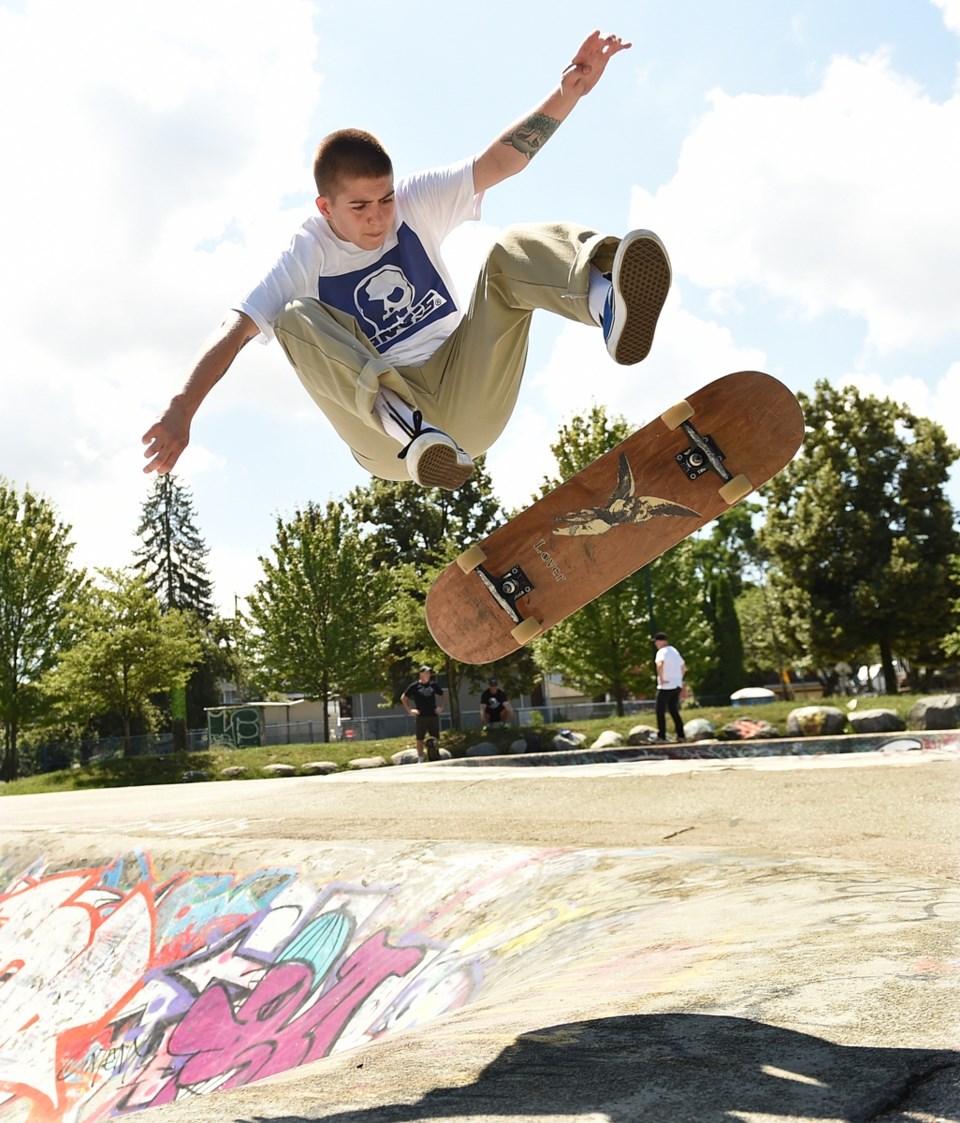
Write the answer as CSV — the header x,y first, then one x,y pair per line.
x,y
615,516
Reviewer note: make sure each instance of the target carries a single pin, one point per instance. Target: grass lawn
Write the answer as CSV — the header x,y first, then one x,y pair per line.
x,y
208,764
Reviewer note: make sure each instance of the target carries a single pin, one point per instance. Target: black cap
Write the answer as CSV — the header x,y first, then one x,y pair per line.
x,y
494,682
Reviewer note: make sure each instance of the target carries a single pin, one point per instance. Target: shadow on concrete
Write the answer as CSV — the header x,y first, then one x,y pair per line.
x,y
681,1067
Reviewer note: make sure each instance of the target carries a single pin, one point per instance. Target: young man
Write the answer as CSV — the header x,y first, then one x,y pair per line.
x,y
423,700
494,706
670,671
366,311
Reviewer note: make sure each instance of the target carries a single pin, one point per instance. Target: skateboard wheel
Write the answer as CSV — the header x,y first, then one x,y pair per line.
x,y
470,559
526,630
734,490
675,416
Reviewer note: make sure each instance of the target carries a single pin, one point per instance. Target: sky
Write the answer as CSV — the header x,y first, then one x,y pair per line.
x,y
800,159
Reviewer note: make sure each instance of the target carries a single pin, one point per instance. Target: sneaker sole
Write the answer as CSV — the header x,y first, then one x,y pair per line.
x,y
641,287
440,467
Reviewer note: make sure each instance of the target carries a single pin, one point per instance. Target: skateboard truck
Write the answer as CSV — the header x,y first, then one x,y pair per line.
x,y
703,454
506,589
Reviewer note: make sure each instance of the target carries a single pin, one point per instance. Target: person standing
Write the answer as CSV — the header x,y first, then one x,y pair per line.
x,y
670,669
494,706
423,700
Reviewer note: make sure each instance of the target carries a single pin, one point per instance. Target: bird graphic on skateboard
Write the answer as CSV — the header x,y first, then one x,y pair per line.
x,y
632,504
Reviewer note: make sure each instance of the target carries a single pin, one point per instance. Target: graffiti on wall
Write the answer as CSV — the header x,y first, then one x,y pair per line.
x,y
237,727
119,991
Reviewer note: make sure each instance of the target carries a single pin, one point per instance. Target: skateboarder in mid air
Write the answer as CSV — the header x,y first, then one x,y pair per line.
x,y
365,308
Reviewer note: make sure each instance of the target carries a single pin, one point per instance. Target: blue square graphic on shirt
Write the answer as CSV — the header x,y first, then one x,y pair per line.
x,y
396,297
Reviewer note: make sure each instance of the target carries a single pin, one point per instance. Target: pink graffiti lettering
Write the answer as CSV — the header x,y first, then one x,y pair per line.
x,y
264,1035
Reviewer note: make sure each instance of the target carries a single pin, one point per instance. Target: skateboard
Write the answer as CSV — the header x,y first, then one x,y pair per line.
x,y
615,516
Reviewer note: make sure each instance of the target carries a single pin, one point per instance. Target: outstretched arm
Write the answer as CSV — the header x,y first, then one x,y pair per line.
x,y
511,152
169,436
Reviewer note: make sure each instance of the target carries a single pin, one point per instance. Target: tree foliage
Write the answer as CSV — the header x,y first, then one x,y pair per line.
x,y
415,533
172,554
38,589
406,523
127,650
172,559
859,532
317,610
605,647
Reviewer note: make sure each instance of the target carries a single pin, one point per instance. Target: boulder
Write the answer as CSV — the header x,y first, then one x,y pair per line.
x,y
816,721
193,777
566,739
319,767
483,748
699,729
405,756
941,711
519,746
279,770
608,739
360,762
876,721
749,729
234,772
641,735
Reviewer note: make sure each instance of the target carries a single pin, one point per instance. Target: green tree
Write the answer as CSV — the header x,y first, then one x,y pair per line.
x,y
951,642
127,650
407,524
317,610
415,533
172,555
859,531
38,589
172,559
604,648
727,672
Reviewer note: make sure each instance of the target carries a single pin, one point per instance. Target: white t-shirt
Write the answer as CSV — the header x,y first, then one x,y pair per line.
x,y
669,658
401,294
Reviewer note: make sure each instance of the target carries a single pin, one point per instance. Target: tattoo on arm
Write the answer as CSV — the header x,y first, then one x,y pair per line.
x,y
531,135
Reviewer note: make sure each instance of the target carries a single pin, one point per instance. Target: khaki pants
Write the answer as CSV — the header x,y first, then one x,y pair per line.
x,y
469,387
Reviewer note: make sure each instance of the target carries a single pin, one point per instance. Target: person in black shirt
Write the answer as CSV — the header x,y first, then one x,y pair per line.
x,y
423,700
494,706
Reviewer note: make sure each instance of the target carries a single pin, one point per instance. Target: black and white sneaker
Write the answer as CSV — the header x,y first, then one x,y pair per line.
x,y
435,459
640,283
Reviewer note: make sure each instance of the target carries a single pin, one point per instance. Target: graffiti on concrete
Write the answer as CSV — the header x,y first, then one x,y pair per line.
x,y
129,984
119,991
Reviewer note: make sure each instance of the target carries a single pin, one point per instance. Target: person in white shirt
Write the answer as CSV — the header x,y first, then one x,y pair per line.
x,y
670,669
367,312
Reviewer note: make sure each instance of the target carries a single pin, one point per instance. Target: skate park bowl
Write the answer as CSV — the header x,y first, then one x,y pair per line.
x,y
194,977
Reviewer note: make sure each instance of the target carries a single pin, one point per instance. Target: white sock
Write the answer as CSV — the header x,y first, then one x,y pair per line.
x,y
395,415
597,293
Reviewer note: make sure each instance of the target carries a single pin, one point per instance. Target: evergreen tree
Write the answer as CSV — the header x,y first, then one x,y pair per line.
x,y
727,672
172,560
172,555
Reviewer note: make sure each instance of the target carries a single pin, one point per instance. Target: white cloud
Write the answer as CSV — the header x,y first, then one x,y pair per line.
x,y
688,352
845,199
951,13
937,401
137,131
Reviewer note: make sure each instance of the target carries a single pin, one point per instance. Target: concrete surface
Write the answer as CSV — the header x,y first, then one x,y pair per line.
x,y
757,939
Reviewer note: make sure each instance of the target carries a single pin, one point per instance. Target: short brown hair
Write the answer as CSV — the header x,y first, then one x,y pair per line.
x,y
348,152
